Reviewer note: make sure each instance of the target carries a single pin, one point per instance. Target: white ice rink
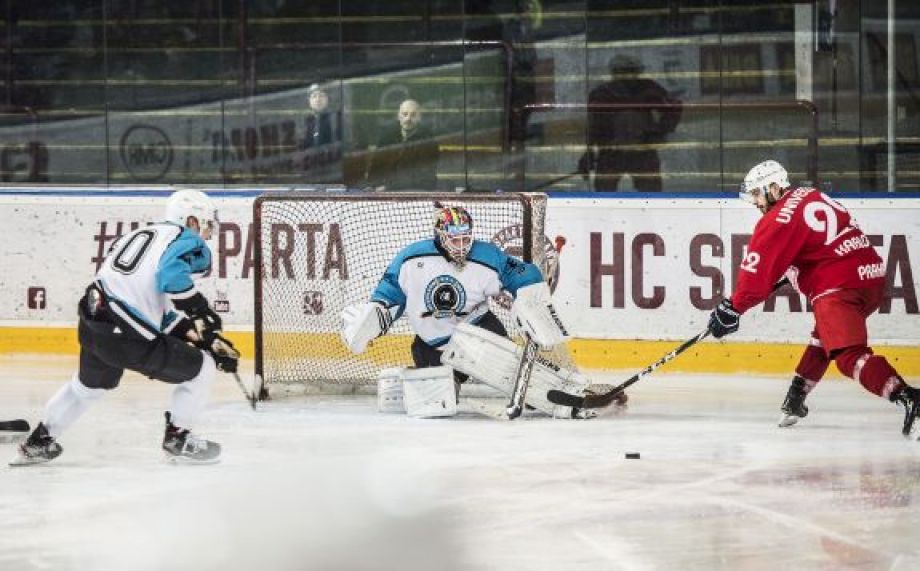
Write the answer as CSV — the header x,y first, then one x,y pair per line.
x,y
329,484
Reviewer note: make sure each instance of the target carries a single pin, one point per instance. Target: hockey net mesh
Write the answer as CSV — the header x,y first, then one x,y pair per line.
x,y
318,252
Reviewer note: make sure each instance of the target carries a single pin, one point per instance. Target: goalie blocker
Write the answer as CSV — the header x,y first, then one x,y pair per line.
x,y
493,360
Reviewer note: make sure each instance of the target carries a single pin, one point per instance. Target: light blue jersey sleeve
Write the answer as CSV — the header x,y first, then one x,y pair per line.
x,y
513,273
388,291
185,256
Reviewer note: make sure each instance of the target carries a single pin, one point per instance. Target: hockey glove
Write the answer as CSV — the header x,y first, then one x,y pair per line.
x,y
362,323
205,321
226,357
724,319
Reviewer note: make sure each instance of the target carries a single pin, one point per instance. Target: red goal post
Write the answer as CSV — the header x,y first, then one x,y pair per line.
x,y
317,251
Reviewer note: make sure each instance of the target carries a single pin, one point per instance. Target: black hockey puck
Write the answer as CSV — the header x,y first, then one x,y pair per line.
x,y
632,456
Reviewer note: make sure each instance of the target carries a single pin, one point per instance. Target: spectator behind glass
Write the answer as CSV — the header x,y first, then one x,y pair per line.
x,y
319,120
406,155
622,142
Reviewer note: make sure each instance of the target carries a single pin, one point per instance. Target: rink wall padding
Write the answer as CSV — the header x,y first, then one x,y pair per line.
x,y
706,357
635,275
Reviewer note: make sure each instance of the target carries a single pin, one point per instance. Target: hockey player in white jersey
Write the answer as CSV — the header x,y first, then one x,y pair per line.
x,y
127,321
443,286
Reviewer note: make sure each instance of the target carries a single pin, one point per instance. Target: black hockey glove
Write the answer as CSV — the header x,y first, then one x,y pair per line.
x,y
206,322
724,319
226,357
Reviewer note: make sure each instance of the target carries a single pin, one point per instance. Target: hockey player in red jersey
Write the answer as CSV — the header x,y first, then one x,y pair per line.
x,y
816,244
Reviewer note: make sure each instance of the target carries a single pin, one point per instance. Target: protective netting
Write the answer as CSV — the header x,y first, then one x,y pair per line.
x,y
317,252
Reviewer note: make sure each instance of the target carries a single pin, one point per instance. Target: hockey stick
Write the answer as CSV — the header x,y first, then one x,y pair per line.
x,y
522,378
605,399
18,425
13,430
251,397
227,347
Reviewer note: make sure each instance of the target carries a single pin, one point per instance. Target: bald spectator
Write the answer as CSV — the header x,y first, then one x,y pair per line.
x,y
406,155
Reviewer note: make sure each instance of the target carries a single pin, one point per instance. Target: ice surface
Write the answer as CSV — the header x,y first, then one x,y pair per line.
x,y
328,483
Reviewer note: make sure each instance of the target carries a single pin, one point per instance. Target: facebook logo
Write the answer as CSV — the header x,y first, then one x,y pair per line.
x,y
36,298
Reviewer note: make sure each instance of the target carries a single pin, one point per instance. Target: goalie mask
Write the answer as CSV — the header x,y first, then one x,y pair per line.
x,y
453,231
184,203
756,187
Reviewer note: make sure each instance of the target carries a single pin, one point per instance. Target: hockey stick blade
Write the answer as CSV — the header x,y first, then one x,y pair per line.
x,y
12,431
606,399
18,425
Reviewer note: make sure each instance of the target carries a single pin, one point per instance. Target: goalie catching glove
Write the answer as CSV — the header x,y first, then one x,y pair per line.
x,y
533,312
364,322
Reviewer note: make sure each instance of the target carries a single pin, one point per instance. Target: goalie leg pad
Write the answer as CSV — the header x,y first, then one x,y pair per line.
x,y
390,390
533,311
493,360
429,392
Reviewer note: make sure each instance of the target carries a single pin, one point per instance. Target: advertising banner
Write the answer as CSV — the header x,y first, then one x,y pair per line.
x,y
655,268
627,268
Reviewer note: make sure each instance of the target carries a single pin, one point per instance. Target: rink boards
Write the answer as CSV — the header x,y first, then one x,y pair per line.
x,y
634,274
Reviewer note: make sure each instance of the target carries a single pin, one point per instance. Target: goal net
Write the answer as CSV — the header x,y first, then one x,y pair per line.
x,y
317,252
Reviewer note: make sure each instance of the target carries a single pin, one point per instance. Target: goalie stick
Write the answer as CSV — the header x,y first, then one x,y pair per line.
x,y
605,399
522,378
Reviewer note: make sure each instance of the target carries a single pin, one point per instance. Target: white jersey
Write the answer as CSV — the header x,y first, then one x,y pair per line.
x,y
146,268
436,294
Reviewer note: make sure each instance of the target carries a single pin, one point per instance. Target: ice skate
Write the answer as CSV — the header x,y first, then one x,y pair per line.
x,y
909,398
39,447
183,447
794,406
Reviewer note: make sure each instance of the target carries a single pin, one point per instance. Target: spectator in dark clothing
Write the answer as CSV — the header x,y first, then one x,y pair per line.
x,y
319,122
621,142
406,155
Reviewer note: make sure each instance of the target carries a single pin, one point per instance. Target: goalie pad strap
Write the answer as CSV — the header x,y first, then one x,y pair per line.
x,y
494,359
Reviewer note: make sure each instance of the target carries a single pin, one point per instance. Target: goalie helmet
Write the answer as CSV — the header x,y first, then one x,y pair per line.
x,y
453,231
756,186
184,203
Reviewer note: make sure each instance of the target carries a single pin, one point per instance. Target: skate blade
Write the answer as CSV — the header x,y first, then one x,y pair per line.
x,y
23,460
186,461
787,420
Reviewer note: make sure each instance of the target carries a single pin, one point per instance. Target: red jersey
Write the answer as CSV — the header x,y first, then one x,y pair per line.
x,y
814,237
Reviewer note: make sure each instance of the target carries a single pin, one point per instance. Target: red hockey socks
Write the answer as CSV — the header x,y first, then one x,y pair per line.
x,y
812,365
872,371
